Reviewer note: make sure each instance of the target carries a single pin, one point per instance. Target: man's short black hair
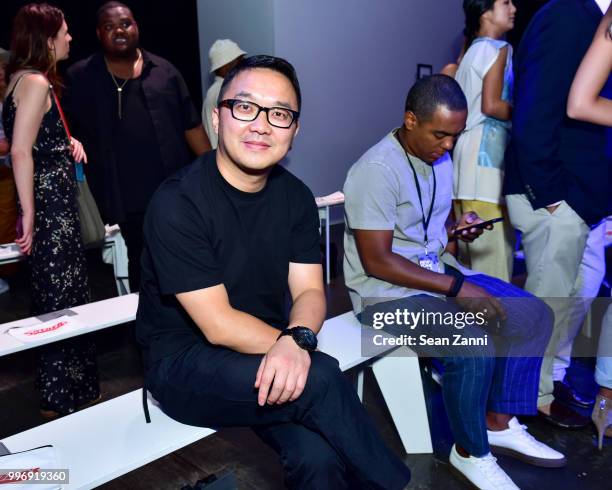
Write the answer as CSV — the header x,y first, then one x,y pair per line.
x,y
107,6
429,93
264,61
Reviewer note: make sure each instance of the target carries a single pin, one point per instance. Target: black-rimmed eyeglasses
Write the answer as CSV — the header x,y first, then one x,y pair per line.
x,y
243,110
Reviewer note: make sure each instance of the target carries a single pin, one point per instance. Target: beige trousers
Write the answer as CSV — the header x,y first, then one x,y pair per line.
x,y
554,245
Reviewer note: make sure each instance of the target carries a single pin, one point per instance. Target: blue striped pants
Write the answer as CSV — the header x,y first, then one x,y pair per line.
x,y
501,376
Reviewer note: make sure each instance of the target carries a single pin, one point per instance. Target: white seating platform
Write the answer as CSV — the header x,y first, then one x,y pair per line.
x,y
94,316
324,204
9,253
108,440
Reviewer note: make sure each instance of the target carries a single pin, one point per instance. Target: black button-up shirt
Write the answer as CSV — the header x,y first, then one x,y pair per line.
x,y
90,103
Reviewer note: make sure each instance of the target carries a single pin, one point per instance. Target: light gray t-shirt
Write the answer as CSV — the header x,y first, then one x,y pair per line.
x,y
380,194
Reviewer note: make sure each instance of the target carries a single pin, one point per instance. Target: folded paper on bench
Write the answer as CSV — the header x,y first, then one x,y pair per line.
x,y
34,469
46,330
9,251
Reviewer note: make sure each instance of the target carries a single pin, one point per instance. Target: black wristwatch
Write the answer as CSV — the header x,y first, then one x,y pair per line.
x,y
303,336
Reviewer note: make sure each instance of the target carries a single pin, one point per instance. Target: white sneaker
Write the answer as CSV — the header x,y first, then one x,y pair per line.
x,y
516,442
4,287
483,473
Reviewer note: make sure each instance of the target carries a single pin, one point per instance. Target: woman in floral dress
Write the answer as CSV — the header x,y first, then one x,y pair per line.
x,y
48,228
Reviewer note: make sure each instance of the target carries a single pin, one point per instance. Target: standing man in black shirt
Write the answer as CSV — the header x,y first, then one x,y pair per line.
x,y
225,239
133,113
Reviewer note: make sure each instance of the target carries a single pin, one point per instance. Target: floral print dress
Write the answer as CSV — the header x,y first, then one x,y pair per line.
x,y
67,370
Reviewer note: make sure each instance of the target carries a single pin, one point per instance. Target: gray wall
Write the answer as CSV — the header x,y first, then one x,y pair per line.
x,y
356,60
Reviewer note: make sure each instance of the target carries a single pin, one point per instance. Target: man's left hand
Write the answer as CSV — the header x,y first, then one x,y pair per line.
x,y
282,374
469,234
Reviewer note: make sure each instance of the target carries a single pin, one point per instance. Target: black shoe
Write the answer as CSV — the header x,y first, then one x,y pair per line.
x,y
565,417
565,393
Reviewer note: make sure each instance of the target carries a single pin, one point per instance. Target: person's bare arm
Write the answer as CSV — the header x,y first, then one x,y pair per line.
x,y
197,140
584,102
225,326
284,369
492,87
32,99
379,260
308,293
449,70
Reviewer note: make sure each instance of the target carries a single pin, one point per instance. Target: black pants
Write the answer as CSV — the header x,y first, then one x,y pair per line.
x,y
131,230
321,437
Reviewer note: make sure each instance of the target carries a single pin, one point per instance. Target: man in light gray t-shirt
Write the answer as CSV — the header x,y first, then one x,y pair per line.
x,y
402,278
382,195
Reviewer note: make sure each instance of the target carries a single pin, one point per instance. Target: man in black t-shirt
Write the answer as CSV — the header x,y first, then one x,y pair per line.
x,y
225,240
133,113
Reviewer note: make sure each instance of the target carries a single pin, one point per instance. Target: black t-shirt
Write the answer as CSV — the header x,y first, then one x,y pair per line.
x,y
90,102
200,231
139,161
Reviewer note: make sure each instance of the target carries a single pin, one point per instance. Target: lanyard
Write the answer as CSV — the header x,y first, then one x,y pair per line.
x,y
418,188
433,199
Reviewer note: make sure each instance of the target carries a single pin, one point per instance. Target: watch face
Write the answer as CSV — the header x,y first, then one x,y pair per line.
x,y
305,338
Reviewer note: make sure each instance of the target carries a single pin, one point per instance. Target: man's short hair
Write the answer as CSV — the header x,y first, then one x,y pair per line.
x,y
264,61
429,93
107,6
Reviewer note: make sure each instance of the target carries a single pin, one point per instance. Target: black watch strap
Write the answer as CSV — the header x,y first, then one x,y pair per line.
x,y
456,286
304,337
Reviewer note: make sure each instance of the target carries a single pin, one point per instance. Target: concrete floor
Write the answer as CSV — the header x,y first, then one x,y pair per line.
x,y
238,450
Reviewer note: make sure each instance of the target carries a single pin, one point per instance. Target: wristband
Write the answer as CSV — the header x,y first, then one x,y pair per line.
x,y
456,286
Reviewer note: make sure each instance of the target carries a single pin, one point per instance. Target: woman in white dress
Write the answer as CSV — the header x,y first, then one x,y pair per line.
x,y
485,75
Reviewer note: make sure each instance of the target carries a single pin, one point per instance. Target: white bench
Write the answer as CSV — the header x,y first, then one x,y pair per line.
x,y
398,376
324,226
9,253
108,440
94,316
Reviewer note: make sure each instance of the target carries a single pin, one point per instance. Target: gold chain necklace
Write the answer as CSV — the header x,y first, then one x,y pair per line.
x,y
120,87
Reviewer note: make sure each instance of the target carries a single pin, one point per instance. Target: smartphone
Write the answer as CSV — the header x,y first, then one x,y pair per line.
x,y
478,226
